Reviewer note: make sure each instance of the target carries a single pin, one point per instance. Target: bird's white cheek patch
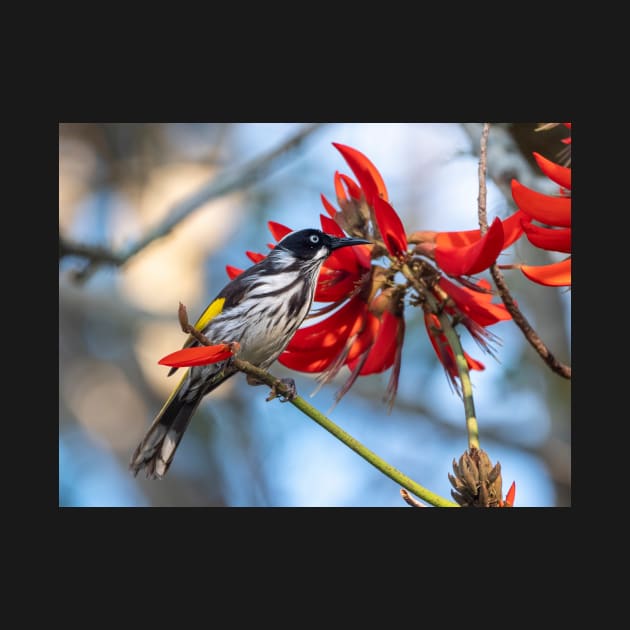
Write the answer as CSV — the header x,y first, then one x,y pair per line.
x,y
322,252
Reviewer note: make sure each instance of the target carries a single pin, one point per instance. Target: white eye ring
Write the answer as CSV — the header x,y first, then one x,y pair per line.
x,y
313,238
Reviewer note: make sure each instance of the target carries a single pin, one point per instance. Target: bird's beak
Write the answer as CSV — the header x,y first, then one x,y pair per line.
x,y
346,242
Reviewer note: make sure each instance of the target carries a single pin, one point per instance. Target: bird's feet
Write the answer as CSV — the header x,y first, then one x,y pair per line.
x,y
288,386
289,390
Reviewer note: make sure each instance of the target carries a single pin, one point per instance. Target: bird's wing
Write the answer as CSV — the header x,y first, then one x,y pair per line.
x,y
210,313
231,295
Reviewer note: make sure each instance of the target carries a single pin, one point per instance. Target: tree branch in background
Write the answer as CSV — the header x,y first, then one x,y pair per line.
x,y
91,252
519,319
505,161
226,182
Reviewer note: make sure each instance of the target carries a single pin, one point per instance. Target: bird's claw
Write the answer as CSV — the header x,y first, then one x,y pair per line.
x,y
290,394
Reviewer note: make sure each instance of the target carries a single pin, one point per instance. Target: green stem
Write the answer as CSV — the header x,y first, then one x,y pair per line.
x,y
281,388
464,376
452,337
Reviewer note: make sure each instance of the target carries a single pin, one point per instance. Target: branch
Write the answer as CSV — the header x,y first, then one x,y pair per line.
x,y
224,183
505,160
285,389
519,319
281,388
483,190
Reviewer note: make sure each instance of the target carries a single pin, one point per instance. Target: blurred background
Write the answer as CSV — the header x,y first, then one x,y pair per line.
x,y
118,182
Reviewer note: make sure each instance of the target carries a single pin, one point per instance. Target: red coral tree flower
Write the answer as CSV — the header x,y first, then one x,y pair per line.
x,y
554,212
365,327
362,324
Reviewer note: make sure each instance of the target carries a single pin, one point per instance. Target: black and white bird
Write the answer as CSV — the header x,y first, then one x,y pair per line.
x,y
260,309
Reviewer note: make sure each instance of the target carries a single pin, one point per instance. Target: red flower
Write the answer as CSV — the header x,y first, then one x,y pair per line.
x,y
364,333
509,497
468,253
362,325
554,212
199,355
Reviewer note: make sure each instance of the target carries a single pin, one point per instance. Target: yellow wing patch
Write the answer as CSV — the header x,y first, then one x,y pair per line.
x,y
210,313
206,317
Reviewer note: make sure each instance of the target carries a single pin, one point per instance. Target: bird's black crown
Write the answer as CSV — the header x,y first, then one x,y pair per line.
x,y
307,243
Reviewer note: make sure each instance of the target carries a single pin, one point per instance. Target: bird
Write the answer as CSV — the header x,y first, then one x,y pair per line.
x,y
260,309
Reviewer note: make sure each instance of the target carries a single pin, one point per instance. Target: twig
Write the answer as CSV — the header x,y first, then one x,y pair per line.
x,y
519,319
483,190
505,160
187,327
409,499
223,184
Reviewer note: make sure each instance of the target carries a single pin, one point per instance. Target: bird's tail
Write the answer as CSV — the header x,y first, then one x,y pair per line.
x,y
155,452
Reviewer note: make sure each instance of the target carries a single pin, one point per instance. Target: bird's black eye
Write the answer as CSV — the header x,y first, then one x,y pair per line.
x,y
313,238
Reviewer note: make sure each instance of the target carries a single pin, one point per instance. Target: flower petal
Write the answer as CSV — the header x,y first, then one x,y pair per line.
x,y
332,211
470,259
331,227
255,256
390,227
329,332
510,496
199,355
366,173
512,230
232,272
473,364
543,208
317,347
444,351
356,260
278,231
556,173
333,285
555,239
383,352
343,258
353,190
475,304
554,275
306,361
364,336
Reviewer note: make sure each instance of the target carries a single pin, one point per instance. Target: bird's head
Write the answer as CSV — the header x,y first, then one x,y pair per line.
x,y
314,244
